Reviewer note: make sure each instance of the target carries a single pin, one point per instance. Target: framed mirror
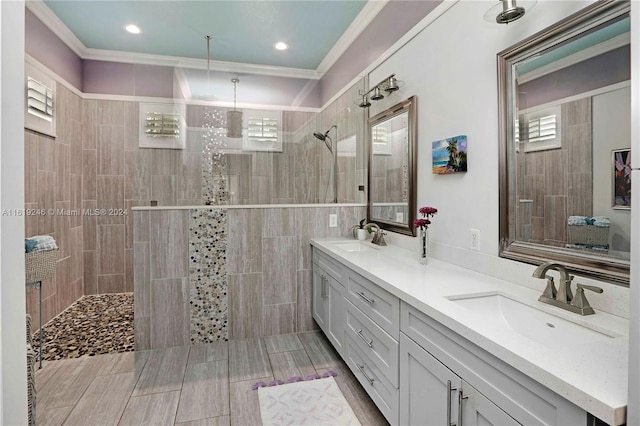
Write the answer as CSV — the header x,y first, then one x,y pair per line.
x,y
392,136
565,137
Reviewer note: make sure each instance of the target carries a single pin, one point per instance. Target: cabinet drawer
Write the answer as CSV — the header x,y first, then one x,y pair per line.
x,y
378,304
328,265
383,393
377,344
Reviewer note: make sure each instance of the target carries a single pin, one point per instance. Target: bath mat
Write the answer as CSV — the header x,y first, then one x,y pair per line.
x,y
278,382
315,402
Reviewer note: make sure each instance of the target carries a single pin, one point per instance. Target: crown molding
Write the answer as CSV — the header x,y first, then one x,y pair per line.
x,y
48,18
176,61
582,55
364,18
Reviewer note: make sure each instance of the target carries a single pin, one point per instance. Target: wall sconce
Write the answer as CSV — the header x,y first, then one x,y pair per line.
x,y
388,85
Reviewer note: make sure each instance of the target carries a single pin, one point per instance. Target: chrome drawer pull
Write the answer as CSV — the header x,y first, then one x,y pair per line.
x,y
361,368
460,398
449,390
449,403
324,287
364,297
368,342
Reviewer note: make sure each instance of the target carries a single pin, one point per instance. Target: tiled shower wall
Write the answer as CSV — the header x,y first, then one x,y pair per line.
x,y
263,269
556,187
95,163
53,181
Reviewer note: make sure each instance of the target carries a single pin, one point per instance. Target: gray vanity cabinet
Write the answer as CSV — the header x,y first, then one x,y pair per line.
x,y
430,393
414,368
329,304
493,387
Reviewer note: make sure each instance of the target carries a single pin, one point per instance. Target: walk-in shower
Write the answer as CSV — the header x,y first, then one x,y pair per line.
x,y
324,137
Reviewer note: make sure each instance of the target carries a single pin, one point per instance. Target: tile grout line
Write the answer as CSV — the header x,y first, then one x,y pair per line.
x,y
184,374
134,386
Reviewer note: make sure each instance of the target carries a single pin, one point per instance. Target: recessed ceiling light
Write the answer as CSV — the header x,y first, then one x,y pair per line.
x,y
281,45
133,29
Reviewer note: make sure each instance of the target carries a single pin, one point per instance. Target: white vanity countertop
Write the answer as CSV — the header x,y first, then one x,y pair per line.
x,y
592,375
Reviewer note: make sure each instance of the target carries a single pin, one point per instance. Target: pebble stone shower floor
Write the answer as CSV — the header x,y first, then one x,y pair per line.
x,y
92,325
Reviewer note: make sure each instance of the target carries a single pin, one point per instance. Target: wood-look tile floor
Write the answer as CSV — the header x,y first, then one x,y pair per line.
x,y
189,385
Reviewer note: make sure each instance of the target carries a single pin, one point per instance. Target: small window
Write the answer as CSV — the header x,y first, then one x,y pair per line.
x,y
262,130
162,125
540,130
40,100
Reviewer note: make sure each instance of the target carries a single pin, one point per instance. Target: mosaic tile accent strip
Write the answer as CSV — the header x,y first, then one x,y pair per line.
x,y
92,325
214,161
208,275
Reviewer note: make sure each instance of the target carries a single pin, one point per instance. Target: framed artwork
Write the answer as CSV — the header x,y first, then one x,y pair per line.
x,y
449,155
621,159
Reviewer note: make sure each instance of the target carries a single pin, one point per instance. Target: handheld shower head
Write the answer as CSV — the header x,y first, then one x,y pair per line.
x,y
325,136
320,136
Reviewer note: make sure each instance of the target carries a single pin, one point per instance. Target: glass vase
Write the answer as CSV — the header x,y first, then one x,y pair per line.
x,y
423,238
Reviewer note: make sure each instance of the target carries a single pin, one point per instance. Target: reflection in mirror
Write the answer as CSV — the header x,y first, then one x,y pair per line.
x,y
392,168
566,115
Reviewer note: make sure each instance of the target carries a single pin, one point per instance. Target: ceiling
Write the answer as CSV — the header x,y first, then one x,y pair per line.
x,y
242,31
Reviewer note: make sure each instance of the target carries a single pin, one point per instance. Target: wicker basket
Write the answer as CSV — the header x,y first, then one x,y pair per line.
x,y
40,265
589,235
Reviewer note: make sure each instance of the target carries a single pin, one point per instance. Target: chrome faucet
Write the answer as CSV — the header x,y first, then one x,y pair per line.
x,y
564,288
378,237
563,297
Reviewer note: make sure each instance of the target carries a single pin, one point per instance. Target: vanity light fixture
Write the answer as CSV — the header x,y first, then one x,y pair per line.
x,y
377,94
365,102
281,45
392,85
388,85
132,28
506,11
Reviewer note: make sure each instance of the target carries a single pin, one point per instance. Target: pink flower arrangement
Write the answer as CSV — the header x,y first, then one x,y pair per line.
x,y
426,213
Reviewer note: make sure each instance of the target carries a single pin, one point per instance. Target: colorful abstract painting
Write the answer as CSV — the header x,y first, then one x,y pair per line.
x,y
622,179
450,155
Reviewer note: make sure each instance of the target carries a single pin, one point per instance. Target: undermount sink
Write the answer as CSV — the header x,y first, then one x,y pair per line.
x,y
534,324
352,246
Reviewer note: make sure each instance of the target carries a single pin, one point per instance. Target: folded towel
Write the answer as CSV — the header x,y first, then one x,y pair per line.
x,y
577,220
29,245
40,243
601,221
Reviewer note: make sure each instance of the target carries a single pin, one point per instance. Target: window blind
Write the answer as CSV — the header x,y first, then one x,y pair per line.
x,y
542,129
162,125
262,129
39,100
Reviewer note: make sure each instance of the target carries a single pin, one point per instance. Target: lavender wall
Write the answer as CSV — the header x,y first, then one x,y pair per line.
x,y
603,70
116,78
393,21
43,45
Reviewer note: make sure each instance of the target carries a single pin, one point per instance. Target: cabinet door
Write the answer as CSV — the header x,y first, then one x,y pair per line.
x,y
477,410
320,297
336,313
428,389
